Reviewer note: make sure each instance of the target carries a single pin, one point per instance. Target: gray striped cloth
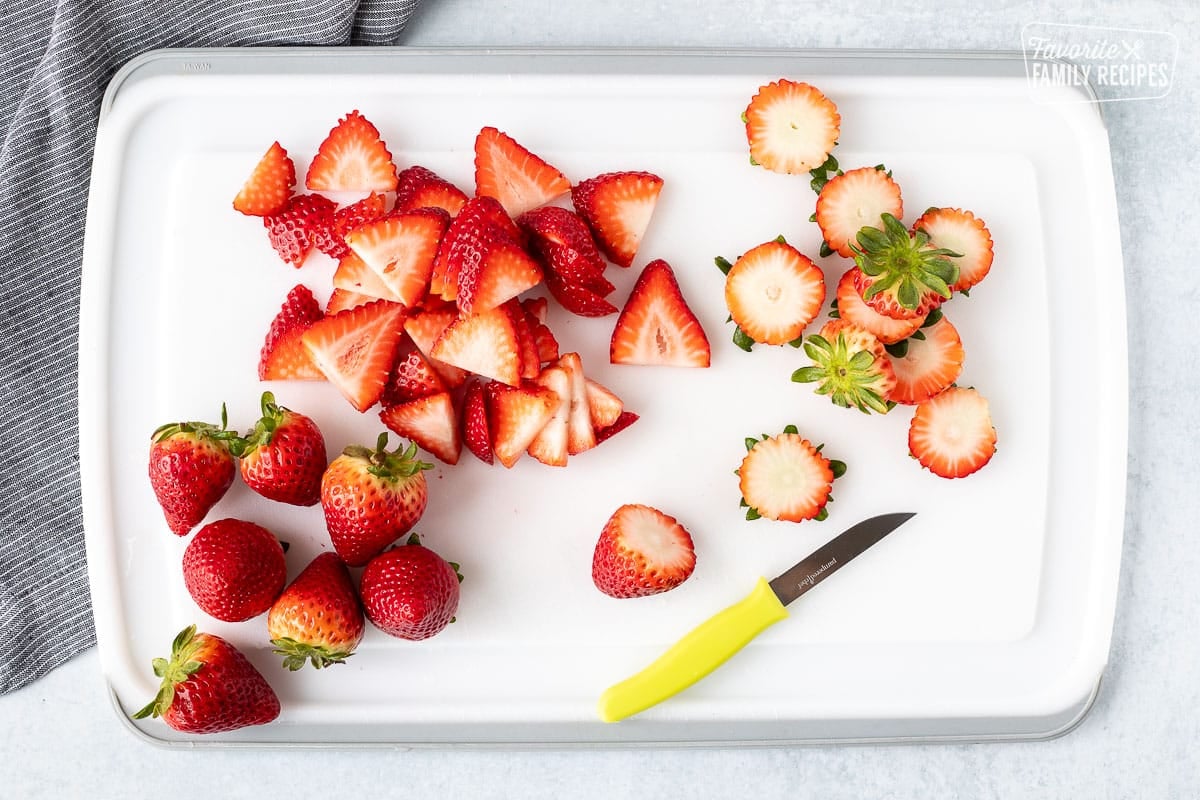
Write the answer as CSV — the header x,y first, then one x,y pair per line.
x,y
55,61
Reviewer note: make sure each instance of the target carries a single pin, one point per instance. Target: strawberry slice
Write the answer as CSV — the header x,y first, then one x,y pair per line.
x,y
516,414
622,422
480,227
527,349
269,186
401,249
564,246
355,349
579,300
516,177
418,187
656,327
503,272
855,200
773,292
536,307
854,310
295,230
353,275
475,431
617,206
951,434
550,444
353,158
581,435
412,376
642,551
786,478
333,242
484,343
603,406
791,127
547,345
932,360
431,422
283,357
425,325
343,299
964,233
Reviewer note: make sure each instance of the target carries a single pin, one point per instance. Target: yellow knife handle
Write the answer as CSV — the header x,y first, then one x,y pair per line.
x,y
706,647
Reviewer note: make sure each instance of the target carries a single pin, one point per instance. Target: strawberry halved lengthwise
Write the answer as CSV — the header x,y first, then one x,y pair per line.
x,y
951,434
400,249
485,344
656,327
283,357
431,422
516,414
418,187
356,349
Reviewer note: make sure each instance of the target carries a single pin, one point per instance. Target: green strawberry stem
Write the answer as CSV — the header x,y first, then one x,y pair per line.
x,y
297,654
903,263
263,430
848,378
399,463
203,430
177,670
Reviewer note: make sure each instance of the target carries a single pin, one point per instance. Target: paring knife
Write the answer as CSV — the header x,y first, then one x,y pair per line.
x,y
713,642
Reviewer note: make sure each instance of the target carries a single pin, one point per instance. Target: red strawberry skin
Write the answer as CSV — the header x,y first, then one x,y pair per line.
x,y
476,433
332,241
295,230
318,619
410,592
656,326
270,185
283,457
190,470
208,686
234,569
283,357
419,187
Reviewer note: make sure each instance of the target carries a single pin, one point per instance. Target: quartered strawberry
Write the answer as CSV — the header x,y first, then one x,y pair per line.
x,y
852,308
410,591
951,434
234,569
963,233
855,200
550,444
295,229
369,209
353,275
579,299
484,343
564,246
478,226
345,299
355,349
791,126
476,433
773,292
269,186
283,455
850,366
786,478
209,686
530,365
617,206
425,325
401,248
656,327
902,275
431,422
932,360
503,272
516,177
318,619
412,376
283,357
418,187
547,345
516,414
353,158
581,435
622,422
603,406
642,551
191,467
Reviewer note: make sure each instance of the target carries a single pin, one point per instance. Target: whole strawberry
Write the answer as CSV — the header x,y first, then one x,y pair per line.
x,y
410,592
318,618
283,456
208,686
234,569
191,468
371,498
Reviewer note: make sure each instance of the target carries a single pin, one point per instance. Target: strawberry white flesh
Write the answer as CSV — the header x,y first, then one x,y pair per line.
x,y
604,406
581,435
269,186
656,327
550,444
352,158
353,275
400,249
431,422
951,434
516,414
484,343
785,478
964,233
355,349
791,127
618,206
773,292
642,551
929,365
853,201
520,180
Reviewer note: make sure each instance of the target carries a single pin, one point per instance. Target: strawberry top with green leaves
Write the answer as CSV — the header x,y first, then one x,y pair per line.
x,y
791,126
656,326
964,233
353,158
208,686
850,366
410,591
269,186
951,434
641,552
852,308
234,569
318,619
902,275
283,455
191,467
786,478
520,180
618,206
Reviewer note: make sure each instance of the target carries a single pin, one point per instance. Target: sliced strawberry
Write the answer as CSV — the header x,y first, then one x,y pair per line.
x,y
353,275
431,422
295,229
412,376
516,177
479,227
352,159
642,551
854,310
283,357
425,325
400,248
900,273
786,478
355,349
853,201
516,414
578,299
617,206
773,292
475,431
581,435
527,349
564,246
536,307
343,299
369,209
269,186
622,422
951,434
964,233
932,360
656,327
504,271
418,187
550,444
547,345
604,406
484,343
791,127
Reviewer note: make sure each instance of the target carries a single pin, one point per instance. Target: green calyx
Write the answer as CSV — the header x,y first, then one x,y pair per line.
x,y
903,264
175,671
848,376
201,430
297,654
389,465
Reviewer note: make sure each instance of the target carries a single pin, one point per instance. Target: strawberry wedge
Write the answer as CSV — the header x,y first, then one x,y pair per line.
x,y
617,206
355,349
516,177
401,249
656,327
353,158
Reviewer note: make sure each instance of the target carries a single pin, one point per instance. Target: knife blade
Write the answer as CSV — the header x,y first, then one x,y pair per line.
x,y
714,641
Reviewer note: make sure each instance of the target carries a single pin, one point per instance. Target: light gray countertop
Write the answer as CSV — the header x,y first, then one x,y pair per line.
x,y
61,739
